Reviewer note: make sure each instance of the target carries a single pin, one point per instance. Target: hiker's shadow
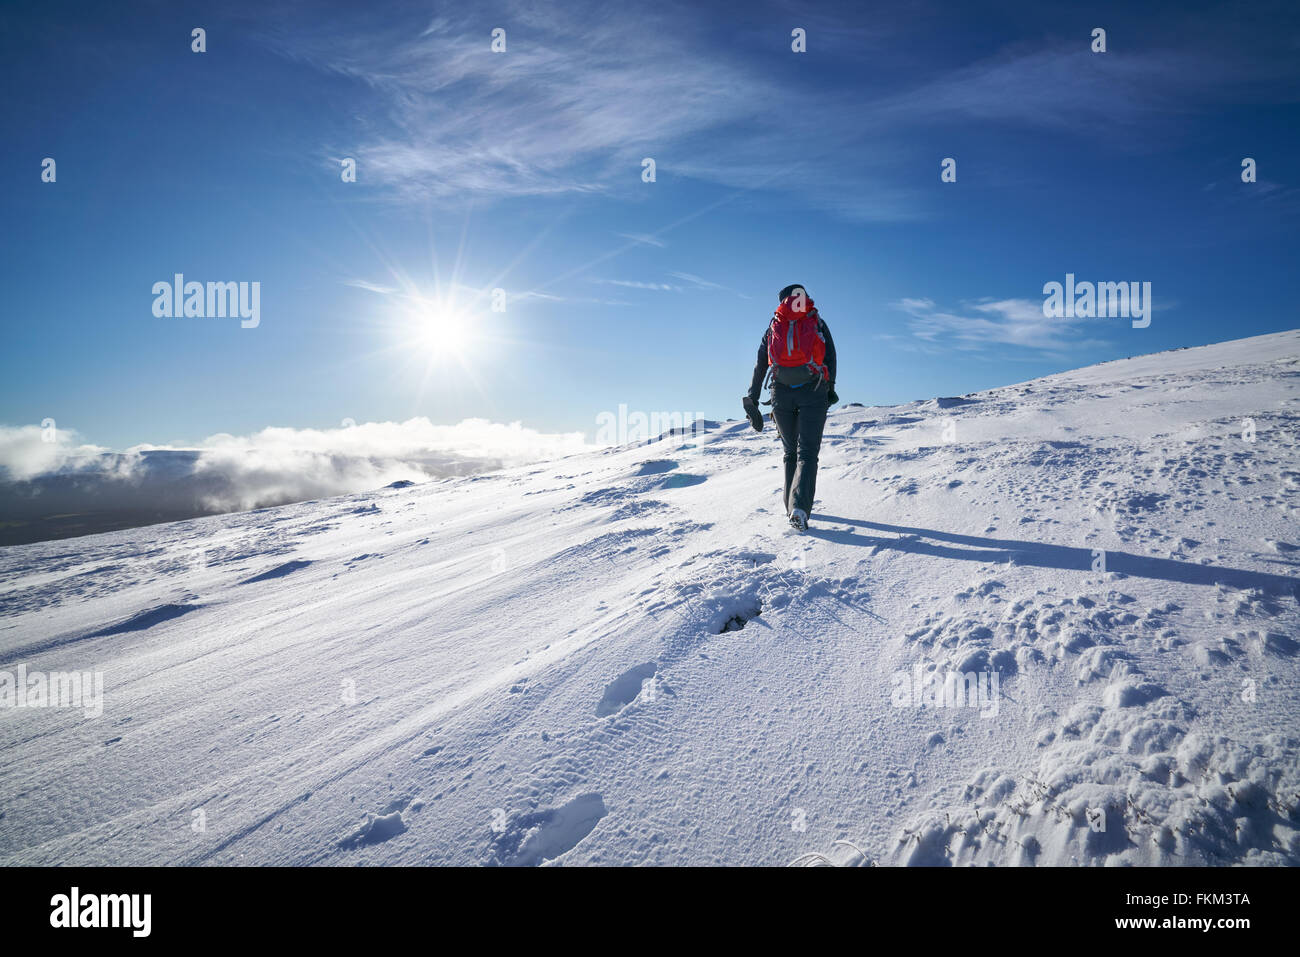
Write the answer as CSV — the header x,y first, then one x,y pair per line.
x,y
974,548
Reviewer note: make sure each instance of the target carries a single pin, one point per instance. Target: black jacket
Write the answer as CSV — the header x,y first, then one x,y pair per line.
x,y
760,367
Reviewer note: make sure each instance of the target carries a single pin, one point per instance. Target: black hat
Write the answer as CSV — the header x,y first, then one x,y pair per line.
x,y
789,291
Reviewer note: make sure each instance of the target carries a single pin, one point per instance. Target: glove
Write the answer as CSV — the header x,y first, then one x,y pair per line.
x,y
751,412
833,397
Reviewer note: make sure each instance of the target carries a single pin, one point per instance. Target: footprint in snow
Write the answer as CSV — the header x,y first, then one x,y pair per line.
x,y
624,689
540,836
377,828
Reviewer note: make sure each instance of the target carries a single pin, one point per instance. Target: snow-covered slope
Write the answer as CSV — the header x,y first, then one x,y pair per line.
x,y
624,657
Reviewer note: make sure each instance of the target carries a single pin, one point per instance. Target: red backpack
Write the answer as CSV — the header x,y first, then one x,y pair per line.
x,y
795,338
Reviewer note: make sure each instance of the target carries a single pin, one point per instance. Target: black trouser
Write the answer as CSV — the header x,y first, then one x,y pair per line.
x,y
800,416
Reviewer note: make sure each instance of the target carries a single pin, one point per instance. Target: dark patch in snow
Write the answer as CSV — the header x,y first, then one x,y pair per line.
x,y
146,619
683,481
739,619
1280,644
279,571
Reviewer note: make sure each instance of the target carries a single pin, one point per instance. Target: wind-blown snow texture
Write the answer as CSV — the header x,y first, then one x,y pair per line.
x,y
623,657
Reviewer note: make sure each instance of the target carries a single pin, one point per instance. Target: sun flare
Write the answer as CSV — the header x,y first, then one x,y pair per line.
x,y
437,328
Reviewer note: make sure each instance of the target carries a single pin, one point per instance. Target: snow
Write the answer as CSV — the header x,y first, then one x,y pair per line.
x,y
627,657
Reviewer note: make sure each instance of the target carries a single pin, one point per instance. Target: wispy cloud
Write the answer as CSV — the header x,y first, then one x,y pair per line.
x,y
638,284
695,280
1051,88
585,91
582,94
643,238
551,297
370,286
701,283
470,296
691,280
574,96
994,323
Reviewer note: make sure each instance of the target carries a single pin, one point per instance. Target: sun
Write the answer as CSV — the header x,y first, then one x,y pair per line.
x,y
436,328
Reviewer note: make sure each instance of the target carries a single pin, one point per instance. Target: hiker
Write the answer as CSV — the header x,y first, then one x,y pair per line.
x,y
798,355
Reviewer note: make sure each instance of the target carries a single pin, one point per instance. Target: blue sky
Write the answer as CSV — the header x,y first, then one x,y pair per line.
x,y
522,171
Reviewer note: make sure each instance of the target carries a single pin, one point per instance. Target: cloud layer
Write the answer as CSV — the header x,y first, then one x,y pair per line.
x,y
45,473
